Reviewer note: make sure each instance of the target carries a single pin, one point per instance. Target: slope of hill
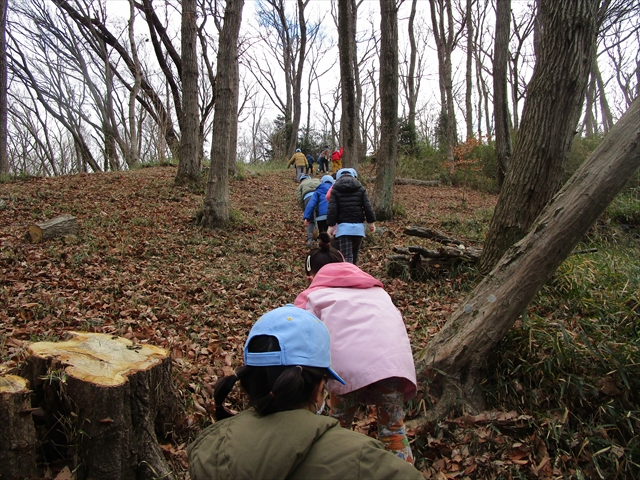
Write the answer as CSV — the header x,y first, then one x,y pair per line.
x,y
139,267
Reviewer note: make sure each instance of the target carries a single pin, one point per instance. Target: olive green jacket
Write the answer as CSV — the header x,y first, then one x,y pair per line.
x,y
295,445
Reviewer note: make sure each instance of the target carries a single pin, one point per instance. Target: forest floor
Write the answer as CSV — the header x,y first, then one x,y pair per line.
x,y
141,268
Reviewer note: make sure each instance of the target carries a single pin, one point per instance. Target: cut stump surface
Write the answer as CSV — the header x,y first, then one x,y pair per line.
x,y
114,397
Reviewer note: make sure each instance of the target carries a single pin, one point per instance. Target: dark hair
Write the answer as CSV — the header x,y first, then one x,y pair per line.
x,y
270,389
322,255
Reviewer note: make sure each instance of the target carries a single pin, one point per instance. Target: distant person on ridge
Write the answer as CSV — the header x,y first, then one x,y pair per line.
x,y
336,159
310,162
323,159
300,162
349,207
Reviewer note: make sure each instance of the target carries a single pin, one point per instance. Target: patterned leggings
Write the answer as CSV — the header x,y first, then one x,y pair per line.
x,y
349,246
387,398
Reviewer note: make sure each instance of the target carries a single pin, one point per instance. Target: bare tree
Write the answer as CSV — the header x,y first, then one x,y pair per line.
x,y
286,40
554,99
523,26
388,152
446,36
349,125
4,160
500,102
215,211
190,165
468,100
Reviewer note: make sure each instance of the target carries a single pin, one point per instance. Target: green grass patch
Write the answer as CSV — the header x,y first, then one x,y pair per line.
x,y
574,361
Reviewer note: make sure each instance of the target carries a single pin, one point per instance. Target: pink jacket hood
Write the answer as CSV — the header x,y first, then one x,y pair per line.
x,y
369,341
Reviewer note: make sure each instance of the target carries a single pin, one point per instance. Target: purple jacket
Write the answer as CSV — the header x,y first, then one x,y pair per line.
x,y
369,340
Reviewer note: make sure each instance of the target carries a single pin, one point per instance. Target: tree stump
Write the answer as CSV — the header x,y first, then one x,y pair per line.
x,y
56,227
17,433
106,400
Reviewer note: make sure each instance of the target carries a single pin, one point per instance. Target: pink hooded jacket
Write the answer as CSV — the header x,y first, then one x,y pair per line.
x,y
369,340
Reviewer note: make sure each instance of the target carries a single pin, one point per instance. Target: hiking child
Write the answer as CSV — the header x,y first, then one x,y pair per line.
x,y
310,162
300,162
316,209
286,366
369,344
336,159
323,160
349,207
304,192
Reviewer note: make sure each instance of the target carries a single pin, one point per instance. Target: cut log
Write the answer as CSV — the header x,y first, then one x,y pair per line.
x,y
56,227
107,400
17,434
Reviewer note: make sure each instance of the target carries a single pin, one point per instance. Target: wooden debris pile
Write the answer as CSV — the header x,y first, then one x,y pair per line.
x,y
422,262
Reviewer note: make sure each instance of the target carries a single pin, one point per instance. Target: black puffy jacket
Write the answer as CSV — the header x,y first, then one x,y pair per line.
x,y
349,203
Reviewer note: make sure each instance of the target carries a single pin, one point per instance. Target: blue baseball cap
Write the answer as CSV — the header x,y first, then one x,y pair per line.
x,y
303,338
327,178
346,171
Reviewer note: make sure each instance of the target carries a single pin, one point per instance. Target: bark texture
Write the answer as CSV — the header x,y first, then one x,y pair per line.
x,y
56,227
189,167
225,119
104,399
459,350
4,159
551,112
349,124
388,151
500,104
18,441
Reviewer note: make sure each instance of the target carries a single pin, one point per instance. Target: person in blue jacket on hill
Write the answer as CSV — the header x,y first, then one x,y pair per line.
x,y
310,162
318,205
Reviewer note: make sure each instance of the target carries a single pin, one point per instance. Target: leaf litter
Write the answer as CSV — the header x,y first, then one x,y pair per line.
x,y
141,268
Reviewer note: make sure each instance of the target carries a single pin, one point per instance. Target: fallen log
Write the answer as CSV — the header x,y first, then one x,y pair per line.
x,y
412,181
18,440
434,235
61,226
107,400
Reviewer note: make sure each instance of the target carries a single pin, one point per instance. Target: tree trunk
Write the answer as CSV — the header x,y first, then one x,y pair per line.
x,y
346,47
4,159
388,152
18,442
56,227
461,347
189,167
551,112
215,211
412,93
501,105
104,399
468,73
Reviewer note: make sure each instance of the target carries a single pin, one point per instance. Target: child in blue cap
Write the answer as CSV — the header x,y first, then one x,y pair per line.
x,y
349,207
286,365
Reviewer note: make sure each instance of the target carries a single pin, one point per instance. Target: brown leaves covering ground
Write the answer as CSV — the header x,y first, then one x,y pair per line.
x,y
141,268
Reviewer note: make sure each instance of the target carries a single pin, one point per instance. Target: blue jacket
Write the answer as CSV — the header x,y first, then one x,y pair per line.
x,y
310,159
319,200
